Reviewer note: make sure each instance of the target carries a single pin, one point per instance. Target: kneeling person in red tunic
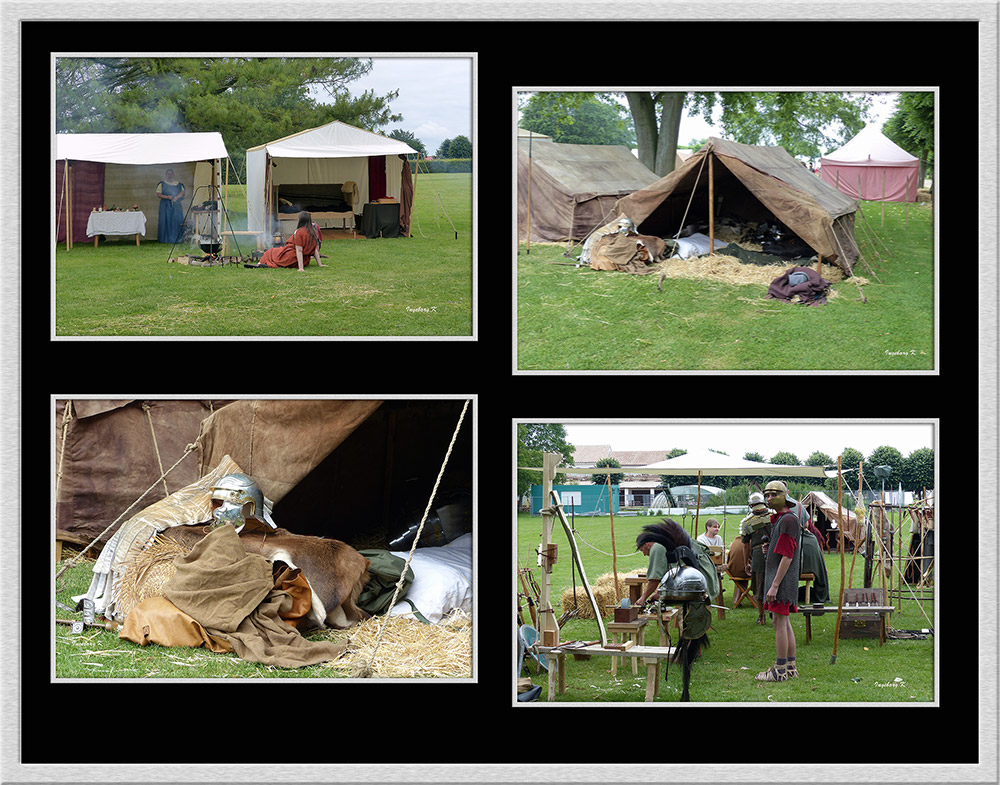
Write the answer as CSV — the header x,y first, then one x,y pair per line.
x,y
781,577
303,243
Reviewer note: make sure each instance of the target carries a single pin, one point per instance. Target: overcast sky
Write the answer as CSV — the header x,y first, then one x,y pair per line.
x,y
737,438
882,109
435,95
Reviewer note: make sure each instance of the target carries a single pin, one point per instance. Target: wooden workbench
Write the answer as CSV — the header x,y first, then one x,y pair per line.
x,y
651,657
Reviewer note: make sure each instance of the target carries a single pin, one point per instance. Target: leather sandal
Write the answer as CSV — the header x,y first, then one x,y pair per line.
x,y
771,674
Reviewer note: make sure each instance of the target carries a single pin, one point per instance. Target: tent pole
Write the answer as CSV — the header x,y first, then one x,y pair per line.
x,y
416,174
614,553
528,238
711,222
548,628
840,518
69,205
907,202
883,199
697,501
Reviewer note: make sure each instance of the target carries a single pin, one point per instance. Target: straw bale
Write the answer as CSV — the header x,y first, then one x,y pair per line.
x,y
409,649
604,593
729,269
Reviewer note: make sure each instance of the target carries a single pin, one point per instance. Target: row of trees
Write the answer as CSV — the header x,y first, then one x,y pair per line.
x,y
915,472
249,100
807,124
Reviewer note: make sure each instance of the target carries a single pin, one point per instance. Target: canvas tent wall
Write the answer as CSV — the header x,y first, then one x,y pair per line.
x,y
124,169
358,470
872,167
109,452
573,187
751,183
825,514
332,153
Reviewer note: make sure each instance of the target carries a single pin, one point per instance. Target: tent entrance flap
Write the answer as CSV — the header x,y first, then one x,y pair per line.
x,y
750,183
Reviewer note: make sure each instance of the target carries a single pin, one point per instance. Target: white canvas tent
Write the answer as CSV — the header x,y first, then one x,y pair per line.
x,y
335,153
872,167
712,463
133,164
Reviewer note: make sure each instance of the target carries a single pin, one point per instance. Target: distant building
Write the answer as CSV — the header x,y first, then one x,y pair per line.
x,y
580,499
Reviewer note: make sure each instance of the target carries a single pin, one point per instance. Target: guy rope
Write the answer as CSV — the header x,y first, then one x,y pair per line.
x,y
367,670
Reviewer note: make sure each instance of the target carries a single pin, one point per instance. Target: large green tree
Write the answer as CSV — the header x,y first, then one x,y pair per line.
x,y
804,123
912,127
534,439
580,118
249,100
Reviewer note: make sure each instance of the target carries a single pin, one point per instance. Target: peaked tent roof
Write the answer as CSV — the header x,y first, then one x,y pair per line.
x,y
334,140
872,166
573,186
141,149
707,462
870,147
713,463
750,178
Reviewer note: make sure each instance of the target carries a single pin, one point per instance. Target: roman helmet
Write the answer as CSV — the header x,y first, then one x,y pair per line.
x,y
683,584
757,505
779,494
231,494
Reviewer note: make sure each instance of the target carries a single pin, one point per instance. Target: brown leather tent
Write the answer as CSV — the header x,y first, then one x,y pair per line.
x,y
753,184
358,470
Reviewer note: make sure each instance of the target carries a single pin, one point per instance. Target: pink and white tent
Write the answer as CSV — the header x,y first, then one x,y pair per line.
x,y
872,167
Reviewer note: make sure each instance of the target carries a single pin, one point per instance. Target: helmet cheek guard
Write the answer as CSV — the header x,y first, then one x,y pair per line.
x,y
236,497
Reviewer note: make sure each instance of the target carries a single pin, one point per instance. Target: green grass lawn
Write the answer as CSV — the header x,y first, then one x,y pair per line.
x,y
416,286
739,648
580,319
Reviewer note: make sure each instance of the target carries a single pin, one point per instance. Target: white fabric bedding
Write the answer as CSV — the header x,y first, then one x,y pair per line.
x,y
695,245
442,580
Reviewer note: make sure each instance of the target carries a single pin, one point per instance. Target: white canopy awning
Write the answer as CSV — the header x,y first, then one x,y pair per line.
x,y
712,463
334,140
708,463
142,149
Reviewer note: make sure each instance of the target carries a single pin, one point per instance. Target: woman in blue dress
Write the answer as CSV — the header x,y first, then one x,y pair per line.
x,y
171,219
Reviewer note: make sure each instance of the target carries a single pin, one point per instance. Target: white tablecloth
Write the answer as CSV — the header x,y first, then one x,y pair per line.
x,y
117,223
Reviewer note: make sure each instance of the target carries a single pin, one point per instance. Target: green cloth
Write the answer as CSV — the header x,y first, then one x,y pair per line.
x,y
812,561
384,570
658,564
708,568
751,257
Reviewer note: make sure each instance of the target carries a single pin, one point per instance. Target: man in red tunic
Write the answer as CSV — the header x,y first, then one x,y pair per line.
x,y
781,579
303,243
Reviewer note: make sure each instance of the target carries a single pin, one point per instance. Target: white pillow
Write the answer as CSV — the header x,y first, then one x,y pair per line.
x,y
442,580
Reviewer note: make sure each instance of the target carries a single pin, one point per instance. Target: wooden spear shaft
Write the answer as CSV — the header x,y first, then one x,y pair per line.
x,y
854,558
614,553
840,517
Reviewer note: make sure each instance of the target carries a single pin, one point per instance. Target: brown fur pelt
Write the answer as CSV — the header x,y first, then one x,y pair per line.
x,y
336,572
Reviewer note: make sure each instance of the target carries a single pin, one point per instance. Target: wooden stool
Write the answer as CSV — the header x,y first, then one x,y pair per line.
x,y
632,631
808,578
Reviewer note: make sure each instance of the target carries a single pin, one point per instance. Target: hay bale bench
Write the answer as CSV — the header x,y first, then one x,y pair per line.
x,y
651,657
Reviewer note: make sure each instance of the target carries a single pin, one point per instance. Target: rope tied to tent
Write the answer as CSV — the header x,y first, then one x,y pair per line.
x,y
691,198
187,451
66,421
367,669
156,448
